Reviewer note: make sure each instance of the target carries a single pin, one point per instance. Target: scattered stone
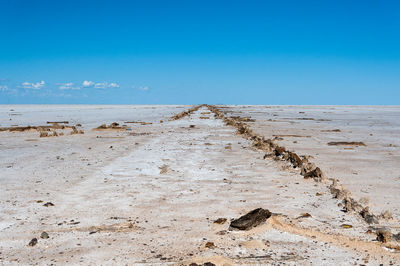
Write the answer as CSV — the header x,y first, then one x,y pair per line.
x,y
383,235
251,219
305,215
48,204
210,245
346,226
346,143
43,134
44,235
164,169
220,221
33,242
387,215
316,174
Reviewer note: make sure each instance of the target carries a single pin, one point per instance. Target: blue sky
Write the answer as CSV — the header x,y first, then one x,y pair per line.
x,y
187,52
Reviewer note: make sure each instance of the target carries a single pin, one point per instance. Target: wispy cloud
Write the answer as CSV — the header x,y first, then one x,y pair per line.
x,y
87,84
113,85
68,86
99,85
35,86
141,88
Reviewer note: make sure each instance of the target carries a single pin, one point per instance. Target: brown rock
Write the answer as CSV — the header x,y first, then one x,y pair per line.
x,y
251,219
220,221
210,245
317,174
33,242
383,235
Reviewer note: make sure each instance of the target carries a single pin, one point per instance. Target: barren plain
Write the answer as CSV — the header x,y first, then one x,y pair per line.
x,y
161,185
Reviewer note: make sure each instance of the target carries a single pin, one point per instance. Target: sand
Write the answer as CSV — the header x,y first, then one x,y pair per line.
x,y
150,193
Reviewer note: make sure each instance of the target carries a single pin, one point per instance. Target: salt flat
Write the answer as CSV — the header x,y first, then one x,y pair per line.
x,y
150,193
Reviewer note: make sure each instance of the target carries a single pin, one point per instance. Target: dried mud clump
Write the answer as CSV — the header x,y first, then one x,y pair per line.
x,y
346,143
251,219
187,112
383,235
76,131
33,242
44,131
43,134
112,126
308,169
351,205
316,174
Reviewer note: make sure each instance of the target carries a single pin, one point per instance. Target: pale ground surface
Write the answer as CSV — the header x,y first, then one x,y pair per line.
x,y
372,171
114,205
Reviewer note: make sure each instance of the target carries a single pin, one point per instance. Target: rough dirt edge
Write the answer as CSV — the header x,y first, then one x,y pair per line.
x,y
187,112
46,131
278,222
54,125
112,126
308,169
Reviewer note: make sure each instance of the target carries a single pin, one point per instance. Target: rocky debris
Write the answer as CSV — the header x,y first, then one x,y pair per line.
x,y
294,159
48,204
383,235
305,215
251,219
387,215
210,245
54,125
192,126
368,216
187,112
43,134
204,264
44,235
243,119
58,122
113,125
346,143
204,117
33,242
346,226
350,204
316,174
338,191
163,169
331,130
76,131
220,221
308,169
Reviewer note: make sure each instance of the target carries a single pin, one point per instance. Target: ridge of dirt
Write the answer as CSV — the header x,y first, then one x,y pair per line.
x,y
307,169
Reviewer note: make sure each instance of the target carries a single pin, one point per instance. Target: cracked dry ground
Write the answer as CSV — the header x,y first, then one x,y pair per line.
x,y
157,203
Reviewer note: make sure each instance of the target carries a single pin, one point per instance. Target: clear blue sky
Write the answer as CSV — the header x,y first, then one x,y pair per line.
x,y
187,52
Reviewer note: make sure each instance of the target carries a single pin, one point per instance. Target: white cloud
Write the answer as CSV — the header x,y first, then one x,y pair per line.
x,y
141,88
113,85
87,84
68,86
144,88
99,85
36,86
